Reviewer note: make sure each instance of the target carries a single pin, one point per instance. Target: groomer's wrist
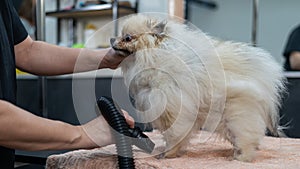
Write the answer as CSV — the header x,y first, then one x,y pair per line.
x,y
96,133
104,62
77,138
85,141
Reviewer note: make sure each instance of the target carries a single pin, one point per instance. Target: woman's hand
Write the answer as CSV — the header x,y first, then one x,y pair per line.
x,y
97,133
128,118
111,59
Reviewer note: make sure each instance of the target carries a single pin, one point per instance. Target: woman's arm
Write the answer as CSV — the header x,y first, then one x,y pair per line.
x,y
20,129
41,58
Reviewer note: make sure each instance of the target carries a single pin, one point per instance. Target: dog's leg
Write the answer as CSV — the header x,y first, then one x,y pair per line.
x,y
175,146
244,126
178,131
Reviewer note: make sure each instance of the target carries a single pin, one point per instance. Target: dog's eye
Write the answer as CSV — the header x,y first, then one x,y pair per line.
x,y
128,38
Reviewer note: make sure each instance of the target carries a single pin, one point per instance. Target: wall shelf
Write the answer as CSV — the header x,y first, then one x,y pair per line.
x,y
73,16
124,8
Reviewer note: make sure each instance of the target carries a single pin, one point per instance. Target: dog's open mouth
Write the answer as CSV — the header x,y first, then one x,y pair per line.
x,y
122,51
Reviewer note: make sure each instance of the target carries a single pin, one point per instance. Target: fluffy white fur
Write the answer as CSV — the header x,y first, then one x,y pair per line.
x,y
178,76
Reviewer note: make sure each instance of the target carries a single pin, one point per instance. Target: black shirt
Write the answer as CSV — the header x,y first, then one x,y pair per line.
x,y
293,44
12,32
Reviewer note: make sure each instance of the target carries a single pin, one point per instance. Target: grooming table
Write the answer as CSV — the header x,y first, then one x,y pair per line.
x,y
274,153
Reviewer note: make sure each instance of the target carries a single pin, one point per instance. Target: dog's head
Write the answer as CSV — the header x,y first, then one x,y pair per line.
x,y
139,32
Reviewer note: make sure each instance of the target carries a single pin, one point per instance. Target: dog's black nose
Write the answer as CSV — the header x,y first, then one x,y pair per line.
x,y
112,41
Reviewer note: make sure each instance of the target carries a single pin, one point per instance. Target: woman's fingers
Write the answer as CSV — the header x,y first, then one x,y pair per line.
x,y
129,119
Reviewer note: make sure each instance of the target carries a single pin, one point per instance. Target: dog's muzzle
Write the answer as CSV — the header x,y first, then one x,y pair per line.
x,y
112,41
121,51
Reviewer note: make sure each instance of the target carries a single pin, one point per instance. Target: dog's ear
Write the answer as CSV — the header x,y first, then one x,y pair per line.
x,y
149,23
160,28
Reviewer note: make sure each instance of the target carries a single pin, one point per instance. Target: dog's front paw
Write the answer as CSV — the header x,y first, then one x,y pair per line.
x,y
172,153
167,154
245,156
160,151
160,156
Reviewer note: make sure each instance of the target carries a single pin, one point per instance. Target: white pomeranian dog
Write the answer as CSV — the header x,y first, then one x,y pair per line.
x,y
183,80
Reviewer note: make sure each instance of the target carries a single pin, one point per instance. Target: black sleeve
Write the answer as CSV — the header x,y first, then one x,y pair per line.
x,y
293,43
19,31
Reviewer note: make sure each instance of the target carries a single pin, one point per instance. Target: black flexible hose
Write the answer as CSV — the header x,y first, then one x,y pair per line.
x,y
117,121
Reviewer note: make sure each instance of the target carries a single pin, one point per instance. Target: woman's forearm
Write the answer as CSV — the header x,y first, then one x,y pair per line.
x,y
41,58
20,129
